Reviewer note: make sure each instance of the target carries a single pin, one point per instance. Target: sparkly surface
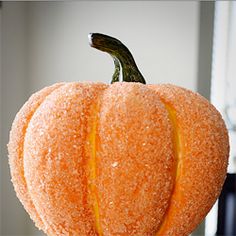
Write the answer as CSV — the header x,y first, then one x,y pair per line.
x,y
124,159
59,157
16,150
205,149
134,160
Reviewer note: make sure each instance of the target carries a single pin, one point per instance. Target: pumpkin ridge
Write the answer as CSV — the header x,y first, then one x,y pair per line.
x,y
91,148
23,144
178,154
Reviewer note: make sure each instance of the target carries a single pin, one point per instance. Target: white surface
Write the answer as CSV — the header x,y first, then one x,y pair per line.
x,y
220,52
223,71
211,221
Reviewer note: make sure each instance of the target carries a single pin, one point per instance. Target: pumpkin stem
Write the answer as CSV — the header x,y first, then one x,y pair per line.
x,y
125,65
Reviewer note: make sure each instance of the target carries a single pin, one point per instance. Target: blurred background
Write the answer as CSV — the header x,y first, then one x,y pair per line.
x,y
190,44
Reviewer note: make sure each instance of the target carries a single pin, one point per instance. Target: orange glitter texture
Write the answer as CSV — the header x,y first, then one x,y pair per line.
x,y
120,159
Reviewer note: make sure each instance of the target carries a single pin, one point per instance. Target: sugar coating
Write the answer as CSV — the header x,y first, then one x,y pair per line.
x,y
56,159
205,150
16,149
134,159
92,159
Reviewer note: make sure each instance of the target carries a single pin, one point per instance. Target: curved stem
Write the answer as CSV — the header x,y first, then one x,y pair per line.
x,y
116,74
122,57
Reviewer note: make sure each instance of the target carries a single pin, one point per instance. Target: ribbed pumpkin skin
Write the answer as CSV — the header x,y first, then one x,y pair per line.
x,y
120,159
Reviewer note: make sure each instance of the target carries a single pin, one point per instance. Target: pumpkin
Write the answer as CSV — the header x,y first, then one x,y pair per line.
x,y
120,159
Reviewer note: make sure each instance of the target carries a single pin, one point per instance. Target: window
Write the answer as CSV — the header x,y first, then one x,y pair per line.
x,y
221,219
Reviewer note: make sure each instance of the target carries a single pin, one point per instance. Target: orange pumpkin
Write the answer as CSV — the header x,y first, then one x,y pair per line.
x,y
120,159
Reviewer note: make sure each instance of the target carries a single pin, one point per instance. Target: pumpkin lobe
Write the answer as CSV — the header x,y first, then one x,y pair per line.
x,y
57,161
203,163
16,150
135,160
